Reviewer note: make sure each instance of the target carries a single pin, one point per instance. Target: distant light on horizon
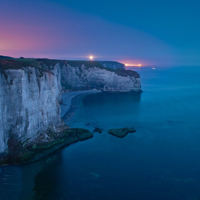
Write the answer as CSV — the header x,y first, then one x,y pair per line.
x,y
133,65
153,68
91,57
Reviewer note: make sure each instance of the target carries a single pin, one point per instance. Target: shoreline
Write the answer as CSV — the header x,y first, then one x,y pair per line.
x,y
68,98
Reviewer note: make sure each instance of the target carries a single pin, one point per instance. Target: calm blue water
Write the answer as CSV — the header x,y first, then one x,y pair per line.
x,y
160,161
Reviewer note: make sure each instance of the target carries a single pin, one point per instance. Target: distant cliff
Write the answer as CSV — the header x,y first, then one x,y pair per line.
x,y
30,91
86,75
112,64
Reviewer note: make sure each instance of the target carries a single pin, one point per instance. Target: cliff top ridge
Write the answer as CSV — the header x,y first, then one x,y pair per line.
x,y
7,62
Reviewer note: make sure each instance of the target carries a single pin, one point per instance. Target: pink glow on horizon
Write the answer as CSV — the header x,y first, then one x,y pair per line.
x,y
75,36
30,41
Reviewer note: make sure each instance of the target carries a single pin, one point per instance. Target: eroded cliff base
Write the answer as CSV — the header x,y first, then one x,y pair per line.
x,y
20,153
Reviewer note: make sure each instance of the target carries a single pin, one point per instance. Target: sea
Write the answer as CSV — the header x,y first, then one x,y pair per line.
x,y
160,161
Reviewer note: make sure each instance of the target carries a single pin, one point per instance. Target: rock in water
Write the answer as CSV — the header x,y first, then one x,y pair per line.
x,y
99,130
121,132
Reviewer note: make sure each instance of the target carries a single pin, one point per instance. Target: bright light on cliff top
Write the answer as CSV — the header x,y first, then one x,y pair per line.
x,y
91,57
133,65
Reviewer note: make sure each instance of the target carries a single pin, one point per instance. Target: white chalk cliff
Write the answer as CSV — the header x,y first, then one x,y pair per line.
x,y
80,78
30,96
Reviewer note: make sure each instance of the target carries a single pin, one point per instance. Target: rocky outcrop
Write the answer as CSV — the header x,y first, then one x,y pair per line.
x,y
20,154
121,132
30,91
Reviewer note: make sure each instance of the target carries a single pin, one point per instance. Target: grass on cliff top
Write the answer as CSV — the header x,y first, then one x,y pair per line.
x,y
125,73
11,63
20,63
48,64
88,64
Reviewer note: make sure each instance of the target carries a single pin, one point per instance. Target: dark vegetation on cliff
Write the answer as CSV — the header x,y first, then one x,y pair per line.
x,y
113,64
20,63
48,64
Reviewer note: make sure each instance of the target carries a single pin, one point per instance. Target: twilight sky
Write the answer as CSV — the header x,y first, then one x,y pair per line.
x,y
150,32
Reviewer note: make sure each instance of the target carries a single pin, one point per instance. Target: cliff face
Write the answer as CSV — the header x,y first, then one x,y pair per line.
x,y
83,77
29,103
30,91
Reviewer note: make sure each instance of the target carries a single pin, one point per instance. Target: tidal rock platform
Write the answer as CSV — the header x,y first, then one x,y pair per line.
x,y
19,153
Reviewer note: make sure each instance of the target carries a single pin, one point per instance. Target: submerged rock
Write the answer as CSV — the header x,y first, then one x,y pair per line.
x,y
99,130
121,132
20,154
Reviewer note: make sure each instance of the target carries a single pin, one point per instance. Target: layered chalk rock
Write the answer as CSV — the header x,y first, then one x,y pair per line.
x,y
83,77
29,104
